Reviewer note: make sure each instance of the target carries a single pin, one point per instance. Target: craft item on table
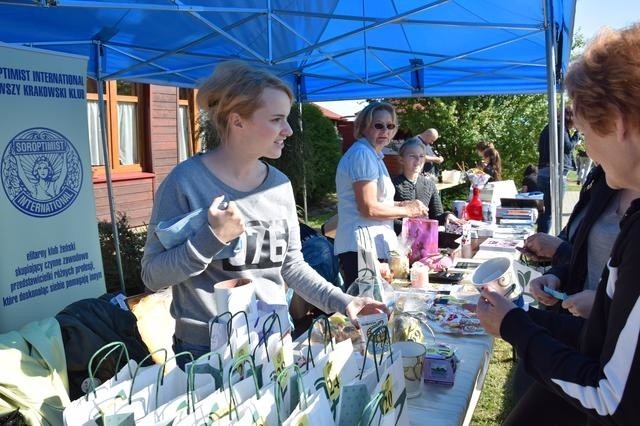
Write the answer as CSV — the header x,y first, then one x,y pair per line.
x,y
177,230
437,262
399,265
465,265
341,329
440,365
495,244
455,319
557,294
413,355
421,235
419,275
498,274
368,323
406,326
446,277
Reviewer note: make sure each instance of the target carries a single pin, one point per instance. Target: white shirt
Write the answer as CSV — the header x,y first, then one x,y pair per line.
x,y
362,163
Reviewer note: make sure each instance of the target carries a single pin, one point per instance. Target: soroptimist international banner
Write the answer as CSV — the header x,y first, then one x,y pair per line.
x,y
48,229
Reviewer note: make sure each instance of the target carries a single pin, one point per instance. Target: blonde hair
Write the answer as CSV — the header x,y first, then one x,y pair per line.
x,y
606,80
236,87
411,143
365,117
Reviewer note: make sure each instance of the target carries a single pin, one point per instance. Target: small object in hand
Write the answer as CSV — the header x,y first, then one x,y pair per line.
x,y
223,205
557,294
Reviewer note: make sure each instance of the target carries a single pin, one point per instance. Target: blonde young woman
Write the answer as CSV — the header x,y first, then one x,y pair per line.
x,y
365,191
413,185
249,108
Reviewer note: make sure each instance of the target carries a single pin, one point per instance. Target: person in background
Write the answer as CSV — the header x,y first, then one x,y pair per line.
x,y
365,191
481,147
530,179
586,369
432,158
491,164
412,185
566,145
583,164
245,200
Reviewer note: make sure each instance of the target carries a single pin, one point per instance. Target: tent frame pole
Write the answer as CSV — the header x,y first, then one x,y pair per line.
x,y
300,126
553,116
107,168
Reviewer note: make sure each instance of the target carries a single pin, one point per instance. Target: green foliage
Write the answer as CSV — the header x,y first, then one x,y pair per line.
x,y
314,153
512,123
131,250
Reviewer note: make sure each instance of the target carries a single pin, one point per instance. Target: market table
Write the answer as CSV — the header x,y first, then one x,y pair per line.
x,y
454,405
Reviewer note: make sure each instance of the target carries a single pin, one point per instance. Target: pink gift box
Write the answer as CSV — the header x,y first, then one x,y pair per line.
x,y
421,235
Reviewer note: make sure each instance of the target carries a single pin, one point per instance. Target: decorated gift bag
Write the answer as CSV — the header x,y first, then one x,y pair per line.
x,y
421,236
100,402
275,350
196,390
222,407
355,394
388,404
314,406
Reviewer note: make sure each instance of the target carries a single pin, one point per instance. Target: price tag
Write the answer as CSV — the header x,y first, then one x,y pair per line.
x,y
387,395
332,381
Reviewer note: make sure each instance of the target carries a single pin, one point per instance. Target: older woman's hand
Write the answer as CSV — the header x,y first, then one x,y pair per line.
x,y
492,308
541,245
537,288
580,304
416,208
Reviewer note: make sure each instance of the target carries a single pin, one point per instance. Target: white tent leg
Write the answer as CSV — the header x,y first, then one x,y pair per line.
x,y
107,170
550,42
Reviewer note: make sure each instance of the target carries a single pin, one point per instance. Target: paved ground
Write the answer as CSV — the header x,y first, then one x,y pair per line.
x,y
569,201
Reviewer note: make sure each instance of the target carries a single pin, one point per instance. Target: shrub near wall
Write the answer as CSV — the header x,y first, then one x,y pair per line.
x,y
320,153
131,250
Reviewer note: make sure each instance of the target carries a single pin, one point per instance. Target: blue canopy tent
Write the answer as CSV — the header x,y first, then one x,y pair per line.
x,y
326,49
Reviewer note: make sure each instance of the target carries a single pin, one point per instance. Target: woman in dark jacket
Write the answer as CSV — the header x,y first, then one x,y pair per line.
x,y
413,185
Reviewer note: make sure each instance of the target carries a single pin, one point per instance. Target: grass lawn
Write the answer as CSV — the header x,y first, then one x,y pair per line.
x,y
496,400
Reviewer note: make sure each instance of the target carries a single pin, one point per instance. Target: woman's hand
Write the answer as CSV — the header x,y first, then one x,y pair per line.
x,y
364,306
227,224
455,219
580,304
491,310
416,208
537,284
542,245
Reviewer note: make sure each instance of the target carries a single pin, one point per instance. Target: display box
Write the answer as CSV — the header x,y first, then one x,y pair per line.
x,y
440,364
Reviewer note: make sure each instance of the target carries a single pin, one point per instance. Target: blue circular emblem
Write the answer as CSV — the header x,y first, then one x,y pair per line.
x,y
41,172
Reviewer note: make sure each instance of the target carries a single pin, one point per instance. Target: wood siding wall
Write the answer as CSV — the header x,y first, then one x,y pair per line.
x,y
134,193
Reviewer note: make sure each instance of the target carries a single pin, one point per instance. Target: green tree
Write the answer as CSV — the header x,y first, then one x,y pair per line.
x,y
315,152
512,123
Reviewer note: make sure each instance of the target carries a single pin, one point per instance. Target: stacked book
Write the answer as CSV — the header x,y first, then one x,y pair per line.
x,y
516,216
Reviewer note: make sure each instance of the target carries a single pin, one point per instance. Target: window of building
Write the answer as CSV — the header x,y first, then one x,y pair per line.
x,y
186,124
124,110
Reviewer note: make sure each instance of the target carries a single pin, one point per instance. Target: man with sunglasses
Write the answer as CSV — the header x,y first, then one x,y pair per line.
x,y
432,157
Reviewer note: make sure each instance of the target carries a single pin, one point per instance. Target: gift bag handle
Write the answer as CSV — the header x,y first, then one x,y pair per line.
x,y
327,325
161,370
266,332
371,409
110,348
230,326
282,377
233,406
383,332
202,368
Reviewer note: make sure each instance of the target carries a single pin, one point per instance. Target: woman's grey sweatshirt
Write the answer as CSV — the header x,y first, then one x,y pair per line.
x,y
270,253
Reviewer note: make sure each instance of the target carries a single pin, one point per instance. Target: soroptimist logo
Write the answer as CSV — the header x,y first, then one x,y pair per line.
x,y
41,172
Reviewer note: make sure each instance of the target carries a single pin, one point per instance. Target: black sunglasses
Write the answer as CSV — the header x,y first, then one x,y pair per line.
x,y
380,126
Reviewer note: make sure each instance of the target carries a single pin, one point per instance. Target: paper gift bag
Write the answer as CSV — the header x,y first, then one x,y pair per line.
x,y
391,394
275,351
355,395
369,281
314,411
421,235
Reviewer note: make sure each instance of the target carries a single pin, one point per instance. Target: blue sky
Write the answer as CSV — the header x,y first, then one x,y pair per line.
x,y
591,15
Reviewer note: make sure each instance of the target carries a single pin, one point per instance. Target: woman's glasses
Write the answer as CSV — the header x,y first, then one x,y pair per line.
x,y
381,126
